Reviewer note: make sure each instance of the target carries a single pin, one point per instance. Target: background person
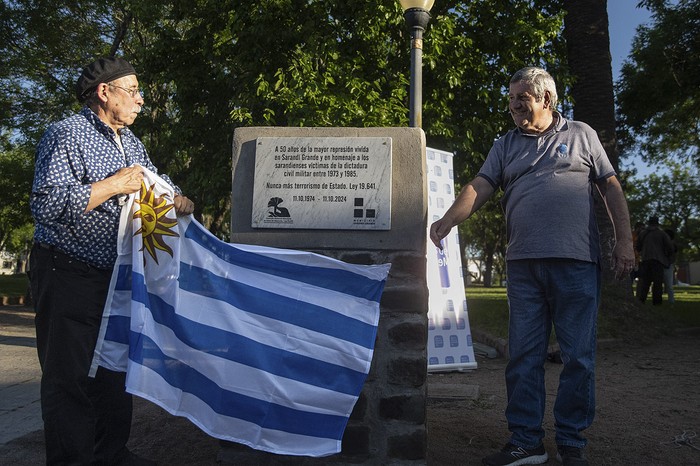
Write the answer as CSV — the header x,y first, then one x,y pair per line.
x,y
82,175
669,272
546,167
655,249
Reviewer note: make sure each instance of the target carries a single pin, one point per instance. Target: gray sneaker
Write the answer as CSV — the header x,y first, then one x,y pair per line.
x,y
511,455
571,456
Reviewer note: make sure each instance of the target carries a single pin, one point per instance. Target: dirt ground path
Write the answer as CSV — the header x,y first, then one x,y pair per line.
x,y
648,397
648,412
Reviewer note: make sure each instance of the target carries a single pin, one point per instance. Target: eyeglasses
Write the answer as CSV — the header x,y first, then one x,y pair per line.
x,y
131,92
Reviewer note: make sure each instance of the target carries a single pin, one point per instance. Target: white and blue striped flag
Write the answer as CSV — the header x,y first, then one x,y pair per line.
x,y
261,346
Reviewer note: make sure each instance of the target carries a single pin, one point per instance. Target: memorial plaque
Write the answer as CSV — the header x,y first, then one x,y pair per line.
x,y
341,183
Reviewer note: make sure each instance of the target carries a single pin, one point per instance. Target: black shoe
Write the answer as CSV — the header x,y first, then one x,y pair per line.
x,y
513,456
571,456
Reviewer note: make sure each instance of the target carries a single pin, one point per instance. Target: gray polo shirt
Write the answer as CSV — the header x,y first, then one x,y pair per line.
x,y
546,180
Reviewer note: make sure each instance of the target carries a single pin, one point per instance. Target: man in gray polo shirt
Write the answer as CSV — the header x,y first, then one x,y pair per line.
x,y
547,167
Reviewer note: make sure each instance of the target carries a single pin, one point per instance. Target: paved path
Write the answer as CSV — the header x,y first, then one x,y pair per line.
x,y
20,412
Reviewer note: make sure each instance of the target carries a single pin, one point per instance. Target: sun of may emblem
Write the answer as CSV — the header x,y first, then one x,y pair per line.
x,y
154,223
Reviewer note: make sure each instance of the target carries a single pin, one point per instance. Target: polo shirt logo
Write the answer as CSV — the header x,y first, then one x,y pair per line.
x,y
562,151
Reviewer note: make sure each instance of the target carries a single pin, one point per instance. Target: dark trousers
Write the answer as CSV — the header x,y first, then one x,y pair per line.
x,y
651,274
86,420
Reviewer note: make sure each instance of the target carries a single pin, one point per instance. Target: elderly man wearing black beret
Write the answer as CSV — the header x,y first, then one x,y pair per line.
x,y
84,169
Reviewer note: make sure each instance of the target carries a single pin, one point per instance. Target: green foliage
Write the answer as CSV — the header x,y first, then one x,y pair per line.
x,y
20,240
674,196
344,69
485,238
44,45
209,66
471,51
659,90
17,168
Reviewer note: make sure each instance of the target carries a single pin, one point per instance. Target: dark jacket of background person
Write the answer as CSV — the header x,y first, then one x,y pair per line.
x,y
655,245
656,249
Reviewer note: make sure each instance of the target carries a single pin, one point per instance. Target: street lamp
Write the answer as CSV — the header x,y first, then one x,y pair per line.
x,y
416,13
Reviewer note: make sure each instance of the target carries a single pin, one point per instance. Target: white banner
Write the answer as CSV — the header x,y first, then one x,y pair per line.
x,y
449,337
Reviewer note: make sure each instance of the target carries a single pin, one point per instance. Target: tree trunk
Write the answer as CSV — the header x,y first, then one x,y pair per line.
x,y
588,48
488,272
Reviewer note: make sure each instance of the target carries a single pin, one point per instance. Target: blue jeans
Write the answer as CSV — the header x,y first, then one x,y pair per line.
x,y
668,283
541,293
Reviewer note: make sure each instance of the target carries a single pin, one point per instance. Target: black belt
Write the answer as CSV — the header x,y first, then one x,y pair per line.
x,y
50,247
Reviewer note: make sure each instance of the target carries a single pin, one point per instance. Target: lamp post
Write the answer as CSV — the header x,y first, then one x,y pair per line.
x,y
417,15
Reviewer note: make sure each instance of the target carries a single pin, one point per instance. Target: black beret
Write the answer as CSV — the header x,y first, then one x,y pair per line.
x,y
103,70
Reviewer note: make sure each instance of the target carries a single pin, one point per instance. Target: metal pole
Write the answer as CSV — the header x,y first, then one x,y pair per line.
x,y
417,20
415,118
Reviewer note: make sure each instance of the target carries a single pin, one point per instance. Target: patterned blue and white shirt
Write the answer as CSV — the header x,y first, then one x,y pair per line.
x,y
73,154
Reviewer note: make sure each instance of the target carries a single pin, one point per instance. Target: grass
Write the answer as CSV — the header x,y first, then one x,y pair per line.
x,y
14,285
488,311
488,307
687,306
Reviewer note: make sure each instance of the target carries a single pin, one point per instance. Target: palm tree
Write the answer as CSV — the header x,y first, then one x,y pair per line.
x,y
588,49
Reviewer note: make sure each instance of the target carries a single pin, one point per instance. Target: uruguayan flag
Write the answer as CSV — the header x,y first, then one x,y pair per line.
x,y
261,346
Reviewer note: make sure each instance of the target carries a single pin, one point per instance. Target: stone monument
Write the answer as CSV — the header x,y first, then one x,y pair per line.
x,y
358,195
